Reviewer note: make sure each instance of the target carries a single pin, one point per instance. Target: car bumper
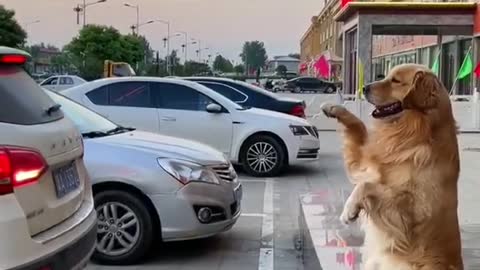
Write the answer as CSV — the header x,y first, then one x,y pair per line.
x,y
75,255
306,149
178,212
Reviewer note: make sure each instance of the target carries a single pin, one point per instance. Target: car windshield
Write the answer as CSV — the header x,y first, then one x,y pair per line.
x,y
87,121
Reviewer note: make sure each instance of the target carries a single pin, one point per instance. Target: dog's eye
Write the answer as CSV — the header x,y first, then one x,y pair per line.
x,y
394,80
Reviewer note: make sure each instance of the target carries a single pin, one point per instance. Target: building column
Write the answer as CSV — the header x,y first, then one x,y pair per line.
x,y
364,48
476,84
441,63
457,62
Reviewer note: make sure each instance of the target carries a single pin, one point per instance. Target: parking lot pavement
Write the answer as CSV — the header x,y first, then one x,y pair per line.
x,y
249,245
242,246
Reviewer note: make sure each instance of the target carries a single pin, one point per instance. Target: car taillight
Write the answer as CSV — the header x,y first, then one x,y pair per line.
x,y
13,59
19,167
298,110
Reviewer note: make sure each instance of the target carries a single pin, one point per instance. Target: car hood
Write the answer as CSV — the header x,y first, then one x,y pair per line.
x,y
164,146
272,116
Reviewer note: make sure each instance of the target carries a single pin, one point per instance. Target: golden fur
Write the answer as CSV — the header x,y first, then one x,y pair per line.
x,y
405,171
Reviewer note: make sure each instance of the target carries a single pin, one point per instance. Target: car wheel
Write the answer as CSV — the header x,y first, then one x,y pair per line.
x,y
263,156
297,89
329,90
125,230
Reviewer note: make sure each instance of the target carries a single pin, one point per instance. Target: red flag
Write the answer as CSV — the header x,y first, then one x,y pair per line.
x,y
322,67
477,70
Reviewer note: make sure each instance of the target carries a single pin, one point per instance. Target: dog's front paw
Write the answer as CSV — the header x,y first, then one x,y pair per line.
x,y
332,110
350,213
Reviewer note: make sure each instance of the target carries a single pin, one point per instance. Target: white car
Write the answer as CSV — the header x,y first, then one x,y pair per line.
x,y
264,142
61,82
149,187
47,219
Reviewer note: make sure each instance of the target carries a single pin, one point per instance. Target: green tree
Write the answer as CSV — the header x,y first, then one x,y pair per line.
x,y
239,69
95,44
295,55
281,70
11,33
254,55
196,68
222,64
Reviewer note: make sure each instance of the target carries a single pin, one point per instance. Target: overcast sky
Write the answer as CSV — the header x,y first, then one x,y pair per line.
x,y
222,25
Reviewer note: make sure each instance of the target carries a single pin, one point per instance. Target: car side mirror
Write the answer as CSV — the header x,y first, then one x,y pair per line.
x,y
214,108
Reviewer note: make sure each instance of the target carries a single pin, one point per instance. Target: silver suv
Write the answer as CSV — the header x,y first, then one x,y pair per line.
x,y
47,216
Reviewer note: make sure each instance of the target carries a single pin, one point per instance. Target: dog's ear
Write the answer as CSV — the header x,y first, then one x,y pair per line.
x,y
423,93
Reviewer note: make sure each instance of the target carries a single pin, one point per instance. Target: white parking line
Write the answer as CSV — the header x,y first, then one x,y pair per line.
x,y
265,259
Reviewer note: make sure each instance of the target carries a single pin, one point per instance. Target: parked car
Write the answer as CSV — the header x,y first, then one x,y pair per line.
x,y
305,84
249,95
149,187
264,142
47,216
61,82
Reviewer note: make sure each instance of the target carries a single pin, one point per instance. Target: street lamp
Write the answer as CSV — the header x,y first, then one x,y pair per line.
x,y
168,43
83,8
137,7
133,27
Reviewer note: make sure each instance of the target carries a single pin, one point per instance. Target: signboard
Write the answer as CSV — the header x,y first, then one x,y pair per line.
x,y
344,3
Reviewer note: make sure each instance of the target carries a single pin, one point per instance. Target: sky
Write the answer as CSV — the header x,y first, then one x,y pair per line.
x,y
221,25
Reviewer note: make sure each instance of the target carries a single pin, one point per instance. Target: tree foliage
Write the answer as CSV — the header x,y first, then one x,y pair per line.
x,y
282,70
222,64
254,54
11,33
239,69
95,44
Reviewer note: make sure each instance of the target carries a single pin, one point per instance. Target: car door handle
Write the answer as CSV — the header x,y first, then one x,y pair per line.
x,y
169,119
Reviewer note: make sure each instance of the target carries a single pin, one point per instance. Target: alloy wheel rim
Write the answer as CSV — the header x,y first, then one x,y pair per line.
x,y
262,157
118,229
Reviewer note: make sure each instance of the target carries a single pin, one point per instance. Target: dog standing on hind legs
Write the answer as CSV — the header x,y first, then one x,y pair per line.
x,y
405,171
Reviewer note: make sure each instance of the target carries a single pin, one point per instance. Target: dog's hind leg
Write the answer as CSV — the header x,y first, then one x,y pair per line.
x,y
392,212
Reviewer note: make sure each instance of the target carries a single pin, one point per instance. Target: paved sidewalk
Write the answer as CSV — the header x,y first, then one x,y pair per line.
x,y
331,245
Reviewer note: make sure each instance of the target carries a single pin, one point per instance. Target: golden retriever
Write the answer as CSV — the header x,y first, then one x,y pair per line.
x,y
405,171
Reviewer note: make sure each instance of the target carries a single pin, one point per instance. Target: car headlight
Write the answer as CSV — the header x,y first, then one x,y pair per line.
x,y
187,171
299,130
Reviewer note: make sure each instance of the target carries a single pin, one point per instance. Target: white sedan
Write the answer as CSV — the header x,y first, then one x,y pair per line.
x,y
263,142
61,82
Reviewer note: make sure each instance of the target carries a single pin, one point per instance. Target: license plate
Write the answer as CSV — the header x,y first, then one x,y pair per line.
x,y
66,180
238,194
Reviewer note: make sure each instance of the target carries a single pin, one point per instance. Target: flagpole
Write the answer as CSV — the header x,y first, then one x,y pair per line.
x,y
456,77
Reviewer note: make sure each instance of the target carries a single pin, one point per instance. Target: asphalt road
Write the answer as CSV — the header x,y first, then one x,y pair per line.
x,y
269,222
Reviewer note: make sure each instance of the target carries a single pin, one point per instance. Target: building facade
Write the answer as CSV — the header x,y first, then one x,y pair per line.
x,y
325,34
290,63
323,38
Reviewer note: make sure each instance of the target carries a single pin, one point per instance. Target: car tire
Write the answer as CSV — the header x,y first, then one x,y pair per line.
x,y
268,154
142,231
329,90
298,89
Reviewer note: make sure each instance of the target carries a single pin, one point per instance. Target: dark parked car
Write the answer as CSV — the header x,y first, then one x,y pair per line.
x,y
304,84
249,95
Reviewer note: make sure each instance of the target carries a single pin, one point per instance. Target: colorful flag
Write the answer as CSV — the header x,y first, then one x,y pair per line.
x,y
361,82
436,65
477,71
466,68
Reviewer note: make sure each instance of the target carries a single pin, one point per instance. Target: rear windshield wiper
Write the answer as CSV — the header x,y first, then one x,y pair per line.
x,y
119,129
94,134
52,109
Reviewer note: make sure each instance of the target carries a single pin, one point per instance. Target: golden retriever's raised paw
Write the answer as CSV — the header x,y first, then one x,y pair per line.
x,y
350,213
332,110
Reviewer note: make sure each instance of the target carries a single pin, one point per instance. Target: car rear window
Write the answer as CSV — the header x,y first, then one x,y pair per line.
x,y
22,101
